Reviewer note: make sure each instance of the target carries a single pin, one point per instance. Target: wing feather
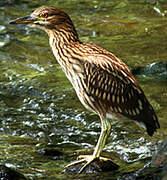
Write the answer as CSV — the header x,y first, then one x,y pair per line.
x,y
115,91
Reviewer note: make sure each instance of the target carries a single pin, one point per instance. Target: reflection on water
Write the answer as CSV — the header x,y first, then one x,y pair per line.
x,y
37,103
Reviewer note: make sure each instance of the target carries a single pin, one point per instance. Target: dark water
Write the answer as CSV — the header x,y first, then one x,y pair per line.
x,y
38,106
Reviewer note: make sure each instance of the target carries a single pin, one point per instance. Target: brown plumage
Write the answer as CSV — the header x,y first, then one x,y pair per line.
x,y
103,83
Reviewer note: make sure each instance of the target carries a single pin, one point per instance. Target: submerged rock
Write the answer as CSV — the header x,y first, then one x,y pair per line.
x,y
50,152
9,2
154,70
10,174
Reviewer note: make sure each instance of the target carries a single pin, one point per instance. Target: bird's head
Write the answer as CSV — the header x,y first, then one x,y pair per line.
x,y
47,17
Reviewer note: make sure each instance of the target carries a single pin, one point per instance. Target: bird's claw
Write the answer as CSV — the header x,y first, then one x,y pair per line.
x,y
88,158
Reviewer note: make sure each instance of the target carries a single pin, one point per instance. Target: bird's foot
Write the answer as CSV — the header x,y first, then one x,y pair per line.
x,y
95,162
89,159
82,158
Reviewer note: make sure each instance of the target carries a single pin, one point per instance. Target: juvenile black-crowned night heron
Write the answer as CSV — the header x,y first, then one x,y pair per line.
x,y
103,83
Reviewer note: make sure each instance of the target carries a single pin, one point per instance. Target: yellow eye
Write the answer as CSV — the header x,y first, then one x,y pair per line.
x,y
45,15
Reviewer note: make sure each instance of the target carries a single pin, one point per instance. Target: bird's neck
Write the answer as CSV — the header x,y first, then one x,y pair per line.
x,y
61,38
61,41
64,35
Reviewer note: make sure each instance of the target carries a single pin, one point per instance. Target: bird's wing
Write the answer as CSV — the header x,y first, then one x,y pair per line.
x,y
113,89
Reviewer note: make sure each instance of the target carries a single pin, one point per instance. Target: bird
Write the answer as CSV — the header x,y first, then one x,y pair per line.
x,y
103,83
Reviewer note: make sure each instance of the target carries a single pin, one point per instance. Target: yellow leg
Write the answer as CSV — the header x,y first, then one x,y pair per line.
x,y
105,132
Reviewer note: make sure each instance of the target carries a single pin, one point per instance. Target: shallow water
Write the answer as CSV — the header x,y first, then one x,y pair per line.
x,y
38,105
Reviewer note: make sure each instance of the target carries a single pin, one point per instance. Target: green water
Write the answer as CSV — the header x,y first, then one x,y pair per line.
x,y
38,106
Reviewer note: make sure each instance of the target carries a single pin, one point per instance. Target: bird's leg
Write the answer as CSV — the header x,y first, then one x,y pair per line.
x,y
105,131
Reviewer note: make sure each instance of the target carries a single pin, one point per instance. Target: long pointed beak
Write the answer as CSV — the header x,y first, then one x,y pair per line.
x,y
23,20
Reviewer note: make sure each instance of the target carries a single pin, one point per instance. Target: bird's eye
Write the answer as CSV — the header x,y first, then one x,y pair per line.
x,y
45,15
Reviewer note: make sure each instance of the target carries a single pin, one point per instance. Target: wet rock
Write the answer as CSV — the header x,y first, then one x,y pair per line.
x,y
155,170
159,159
10,174
154,70
94,167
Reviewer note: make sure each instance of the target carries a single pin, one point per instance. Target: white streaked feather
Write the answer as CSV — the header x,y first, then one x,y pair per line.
x,y
110,116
